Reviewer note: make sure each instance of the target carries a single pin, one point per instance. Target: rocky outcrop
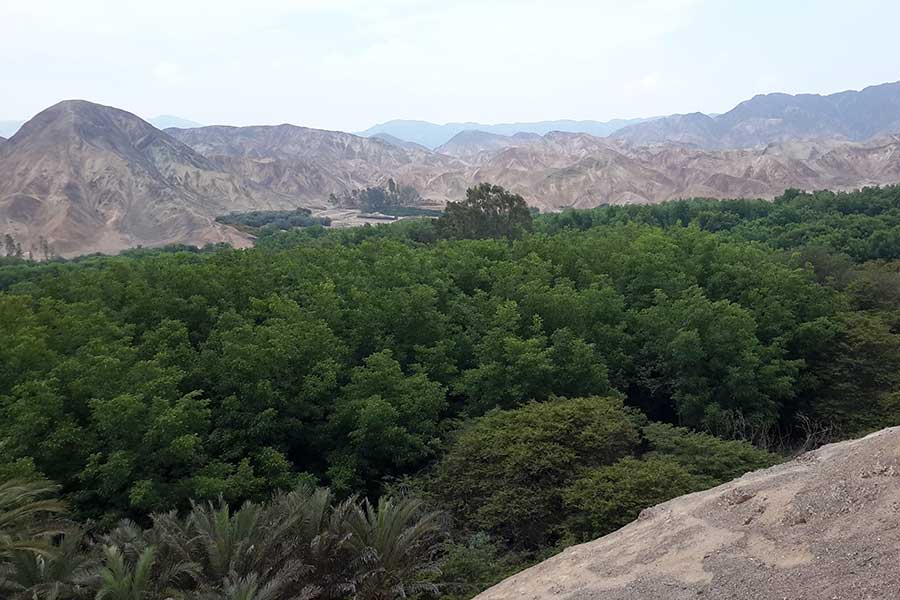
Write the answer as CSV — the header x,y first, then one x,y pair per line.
x,y
823,526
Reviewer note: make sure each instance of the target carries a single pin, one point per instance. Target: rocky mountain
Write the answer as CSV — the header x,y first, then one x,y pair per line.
x,y
773,118
311,164
574,170
473,145
91,178
432,135
797,530
395,141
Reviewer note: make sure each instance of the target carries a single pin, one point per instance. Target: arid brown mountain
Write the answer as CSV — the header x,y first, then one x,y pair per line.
x,y
822,526
91,178
395,141
311,164
774,118
473,146
574,170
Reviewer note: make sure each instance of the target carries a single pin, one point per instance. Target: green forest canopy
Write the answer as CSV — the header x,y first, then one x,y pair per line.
x,y
400,357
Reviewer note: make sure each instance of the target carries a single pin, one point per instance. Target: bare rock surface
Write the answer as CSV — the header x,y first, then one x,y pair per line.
x,y
825,526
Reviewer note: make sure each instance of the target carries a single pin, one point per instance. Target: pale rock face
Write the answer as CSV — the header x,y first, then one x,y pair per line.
x,y
824,525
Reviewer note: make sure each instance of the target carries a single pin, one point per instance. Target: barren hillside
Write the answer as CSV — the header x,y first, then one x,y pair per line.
x,y
92,178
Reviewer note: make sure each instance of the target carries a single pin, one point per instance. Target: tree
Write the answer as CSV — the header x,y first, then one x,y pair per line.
x,y
24,509
710,460
397,542
506,472
120,580
66,570
9,244
606,498
390,421
489,211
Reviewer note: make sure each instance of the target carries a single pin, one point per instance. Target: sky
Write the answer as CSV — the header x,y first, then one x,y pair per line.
x,y
349,64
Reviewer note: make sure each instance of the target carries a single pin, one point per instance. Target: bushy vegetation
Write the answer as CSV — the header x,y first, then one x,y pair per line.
x,y
301,544
266,221
489,211
388,200
539,380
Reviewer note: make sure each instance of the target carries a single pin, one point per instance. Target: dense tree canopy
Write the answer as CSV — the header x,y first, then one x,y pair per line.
x,y
539,387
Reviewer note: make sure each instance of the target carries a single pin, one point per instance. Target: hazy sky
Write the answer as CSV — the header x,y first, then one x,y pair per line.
x,y
347,64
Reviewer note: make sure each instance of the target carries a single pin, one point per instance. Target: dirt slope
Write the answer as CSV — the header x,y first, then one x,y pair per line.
x,y
825,526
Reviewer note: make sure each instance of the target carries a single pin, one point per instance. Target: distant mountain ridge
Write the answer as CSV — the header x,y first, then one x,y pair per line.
x,y
395,141
775,118
92,178
469,144
432,135
166,121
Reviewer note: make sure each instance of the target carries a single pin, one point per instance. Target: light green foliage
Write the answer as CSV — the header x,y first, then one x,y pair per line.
x,y
390,420
708,459
24,508
506,472
301,544
606,498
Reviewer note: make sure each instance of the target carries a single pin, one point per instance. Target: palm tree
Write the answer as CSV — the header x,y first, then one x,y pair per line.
x,y
396,543
250,588
66,571
122,581
142,563
319,540
24,512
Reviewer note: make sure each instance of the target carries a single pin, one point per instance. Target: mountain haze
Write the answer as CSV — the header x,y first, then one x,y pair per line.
x,y
470,144
432,135
9,128
166,121
395,141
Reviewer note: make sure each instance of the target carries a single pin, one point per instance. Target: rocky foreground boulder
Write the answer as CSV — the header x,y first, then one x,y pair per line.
x,y
825,526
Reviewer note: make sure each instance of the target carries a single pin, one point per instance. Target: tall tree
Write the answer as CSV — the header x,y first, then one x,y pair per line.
x,y
489,211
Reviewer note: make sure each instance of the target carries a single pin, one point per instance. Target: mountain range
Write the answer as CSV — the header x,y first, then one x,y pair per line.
x,y
773,118
432,135
92,178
